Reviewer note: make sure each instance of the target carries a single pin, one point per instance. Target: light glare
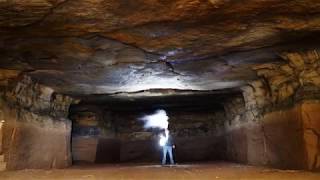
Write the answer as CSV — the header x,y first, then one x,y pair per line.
x,y
157,120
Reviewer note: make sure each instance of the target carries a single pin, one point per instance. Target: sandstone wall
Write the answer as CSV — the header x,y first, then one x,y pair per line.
x,y
275,140
286,139
276,122
35,141
36,129
310,113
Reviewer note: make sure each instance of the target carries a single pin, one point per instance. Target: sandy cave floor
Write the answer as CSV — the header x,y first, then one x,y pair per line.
x,y
221,170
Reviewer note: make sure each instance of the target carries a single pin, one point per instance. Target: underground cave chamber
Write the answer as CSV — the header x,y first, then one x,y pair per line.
x,y
239,80
55,131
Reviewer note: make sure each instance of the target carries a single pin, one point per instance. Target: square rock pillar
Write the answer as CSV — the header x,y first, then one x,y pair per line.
x,y
33,141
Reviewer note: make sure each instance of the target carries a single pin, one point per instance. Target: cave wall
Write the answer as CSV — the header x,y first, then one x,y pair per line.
x,y
197,134
286,139
310,113
275,140
275,122
36,131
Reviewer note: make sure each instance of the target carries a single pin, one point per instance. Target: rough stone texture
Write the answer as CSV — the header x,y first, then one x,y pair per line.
x,y
177,29
36,129
267,142
104,46
274,123
38,98
286,139
97,65
6,76
91,47
301,69
268,49
35,141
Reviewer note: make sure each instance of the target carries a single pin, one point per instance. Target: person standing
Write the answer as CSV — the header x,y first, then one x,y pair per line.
x,y
167,146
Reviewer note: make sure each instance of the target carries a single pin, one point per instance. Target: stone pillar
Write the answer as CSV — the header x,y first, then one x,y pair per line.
x,y
36,141
36,129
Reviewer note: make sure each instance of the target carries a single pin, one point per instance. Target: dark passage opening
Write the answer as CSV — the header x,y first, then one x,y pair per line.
x,y
107,129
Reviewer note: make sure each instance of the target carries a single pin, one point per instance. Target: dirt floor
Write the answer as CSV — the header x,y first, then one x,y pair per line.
x,y
210,171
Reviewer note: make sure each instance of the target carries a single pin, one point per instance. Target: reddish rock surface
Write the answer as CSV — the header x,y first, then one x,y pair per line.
x,y
283,139
311,126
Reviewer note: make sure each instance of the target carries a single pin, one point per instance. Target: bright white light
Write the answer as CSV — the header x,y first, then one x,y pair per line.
x,y
163,139
157,120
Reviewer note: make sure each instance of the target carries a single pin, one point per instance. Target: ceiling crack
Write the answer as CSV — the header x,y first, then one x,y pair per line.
x,y
45,16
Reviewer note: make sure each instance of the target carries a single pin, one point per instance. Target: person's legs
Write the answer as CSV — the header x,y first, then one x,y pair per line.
x,y
164,155
170,154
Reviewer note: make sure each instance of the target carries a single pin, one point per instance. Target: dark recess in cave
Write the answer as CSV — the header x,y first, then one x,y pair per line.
x,y
107,128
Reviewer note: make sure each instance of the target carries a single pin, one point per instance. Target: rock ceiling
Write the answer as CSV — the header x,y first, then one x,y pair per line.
x,y
112,46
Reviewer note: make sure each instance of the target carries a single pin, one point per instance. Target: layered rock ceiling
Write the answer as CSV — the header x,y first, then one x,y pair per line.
x,y
111,46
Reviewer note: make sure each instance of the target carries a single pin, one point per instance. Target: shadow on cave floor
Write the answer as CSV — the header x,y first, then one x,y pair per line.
x,y
210,170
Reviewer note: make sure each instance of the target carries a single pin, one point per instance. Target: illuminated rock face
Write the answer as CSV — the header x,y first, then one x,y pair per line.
x,y
102,46
98,65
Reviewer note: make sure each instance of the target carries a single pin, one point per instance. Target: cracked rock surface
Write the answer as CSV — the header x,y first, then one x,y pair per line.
x,y
99,46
